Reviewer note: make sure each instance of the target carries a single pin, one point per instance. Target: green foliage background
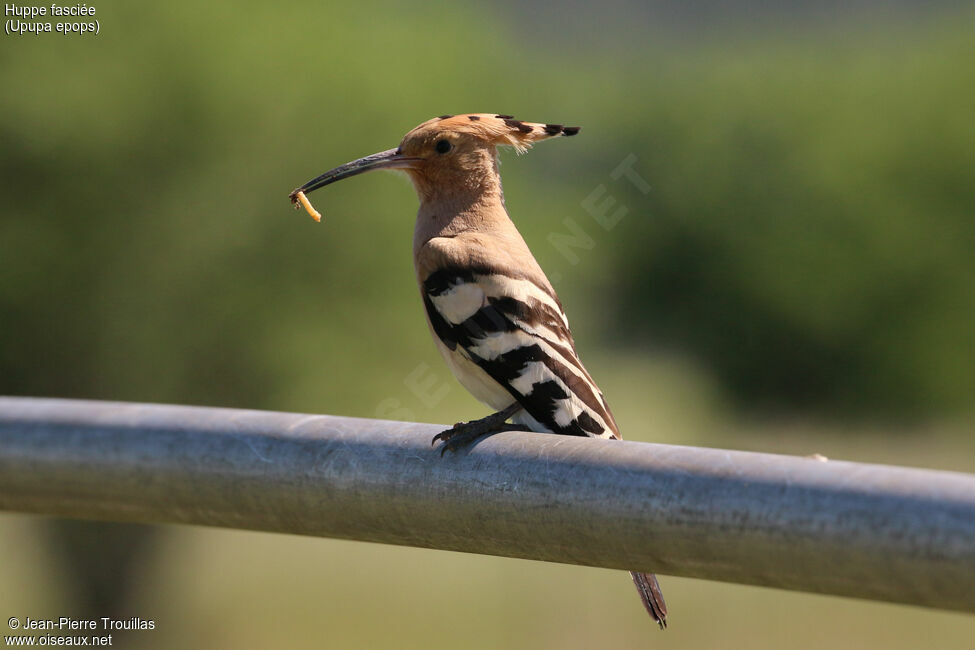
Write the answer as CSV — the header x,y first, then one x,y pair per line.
x,y
805,252
811,233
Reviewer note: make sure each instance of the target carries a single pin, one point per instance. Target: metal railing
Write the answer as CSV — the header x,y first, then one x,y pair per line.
x,y
851,529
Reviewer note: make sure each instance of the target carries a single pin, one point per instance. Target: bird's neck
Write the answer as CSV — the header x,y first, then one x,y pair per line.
x,y
473,204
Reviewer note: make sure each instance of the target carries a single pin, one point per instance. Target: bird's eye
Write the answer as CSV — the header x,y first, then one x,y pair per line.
x,y
443,146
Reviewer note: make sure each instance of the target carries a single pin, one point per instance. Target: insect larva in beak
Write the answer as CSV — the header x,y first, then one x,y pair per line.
x,y
315,214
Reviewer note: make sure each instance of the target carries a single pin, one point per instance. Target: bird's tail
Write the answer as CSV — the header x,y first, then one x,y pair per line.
x,y
652,597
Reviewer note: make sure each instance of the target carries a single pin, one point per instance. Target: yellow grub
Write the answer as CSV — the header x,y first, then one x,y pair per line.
x,y
315,214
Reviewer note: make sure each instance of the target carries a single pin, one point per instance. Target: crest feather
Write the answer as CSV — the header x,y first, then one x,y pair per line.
x,y
501,129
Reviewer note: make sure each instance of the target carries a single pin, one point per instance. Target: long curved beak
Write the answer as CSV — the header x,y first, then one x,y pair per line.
x,y
391,159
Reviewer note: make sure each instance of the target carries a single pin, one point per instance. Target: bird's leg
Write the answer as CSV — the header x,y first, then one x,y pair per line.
x,y
464,433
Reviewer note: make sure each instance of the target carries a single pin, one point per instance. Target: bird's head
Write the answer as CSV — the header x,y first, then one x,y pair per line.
x,y
451,153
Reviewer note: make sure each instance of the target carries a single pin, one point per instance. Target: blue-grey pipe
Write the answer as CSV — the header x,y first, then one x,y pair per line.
x,y
850,529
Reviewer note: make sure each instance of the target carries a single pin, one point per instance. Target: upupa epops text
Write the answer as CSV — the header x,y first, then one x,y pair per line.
x,y
494,315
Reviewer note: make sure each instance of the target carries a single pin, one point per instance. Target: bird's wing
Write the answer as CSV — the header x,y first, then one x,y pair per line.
x,y
513,328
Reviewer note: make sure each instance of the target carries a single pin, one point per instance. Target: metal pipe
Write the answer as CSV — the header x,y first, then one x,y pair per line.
x,y
850,529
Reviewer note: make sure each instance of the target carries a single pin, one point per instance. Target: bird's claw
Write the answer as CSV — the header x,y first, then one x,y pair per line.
x,y
446,446
447,434
454,438
464,433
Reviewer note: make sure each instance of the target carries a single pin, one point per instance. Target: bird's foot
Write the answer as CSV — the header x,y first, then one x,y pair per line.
x,y
464,433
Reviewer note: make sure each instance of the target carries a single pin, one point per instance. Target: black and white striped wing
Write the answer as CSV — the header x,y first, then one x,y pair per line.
x,y
516,332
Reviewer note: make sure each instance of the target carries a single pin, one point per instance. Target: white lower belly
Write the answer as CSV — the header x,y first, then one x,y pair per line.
x,y
477,382
485,389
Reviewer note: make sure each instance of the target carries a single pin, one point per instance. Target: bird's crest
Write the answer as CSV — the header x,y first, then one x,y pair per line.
x,y
498,129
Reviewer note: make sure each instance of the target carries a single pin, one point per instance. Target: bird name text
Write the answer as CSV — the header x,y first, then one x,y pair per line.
x,y
22,20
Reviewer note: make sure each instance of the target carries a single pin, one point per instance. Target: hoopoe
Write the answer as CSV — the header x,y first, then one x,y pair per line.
x,y
493,313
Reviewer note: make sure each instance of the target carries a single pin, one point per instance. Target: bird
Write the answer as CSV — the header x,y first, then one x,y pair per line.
x,y
494,315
